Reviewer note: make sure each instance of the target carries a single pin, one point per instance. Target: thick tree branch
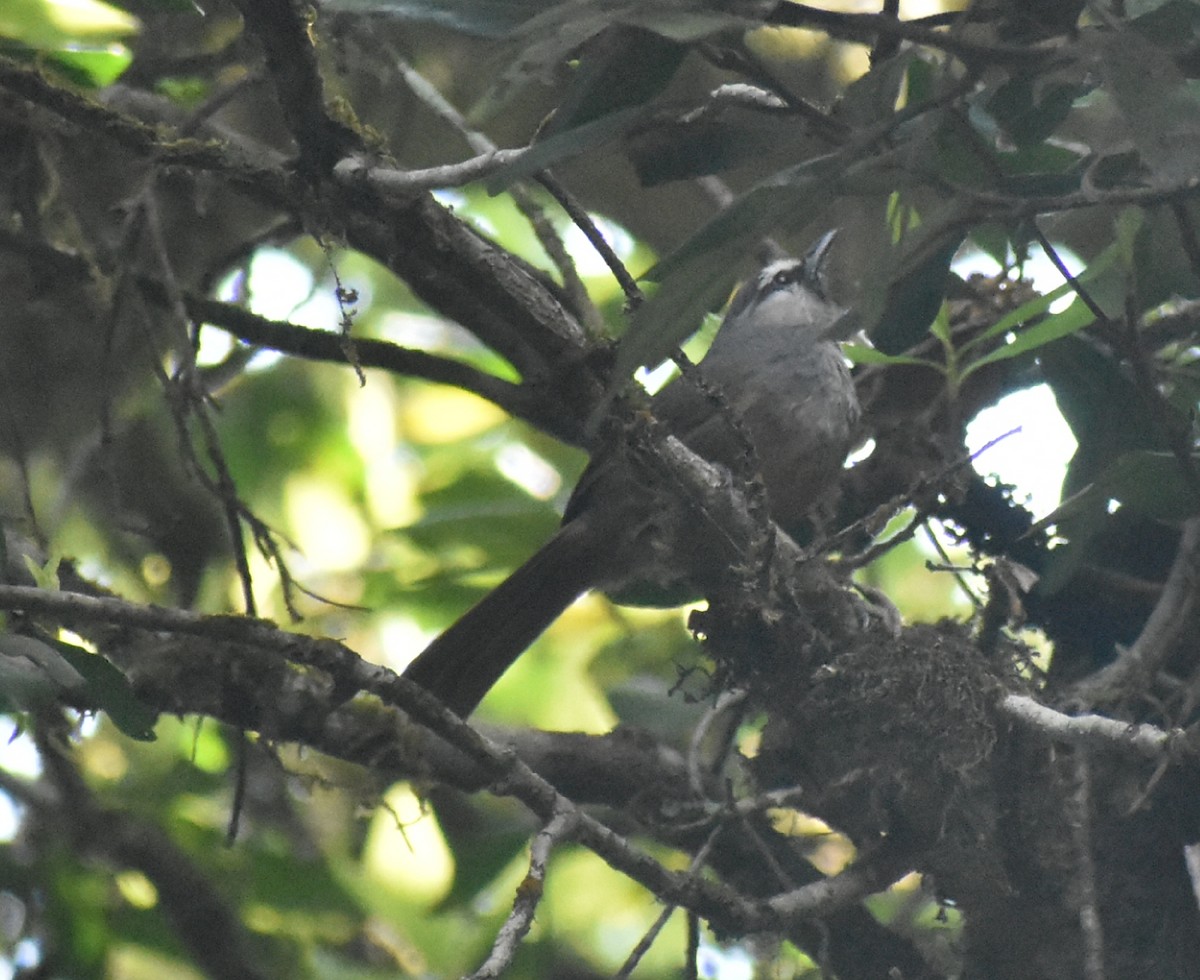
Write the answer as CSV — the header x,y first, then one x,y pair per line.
x,y
1096,731
505,302
283,30
290,706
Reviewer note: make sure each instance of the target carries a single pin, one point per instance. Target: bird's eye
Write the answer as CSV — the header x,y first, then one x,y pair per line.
x,y
787,276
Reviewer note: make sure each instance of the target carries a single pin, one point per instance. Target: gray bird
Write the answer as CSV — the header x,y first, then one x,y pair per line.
x,y
779,372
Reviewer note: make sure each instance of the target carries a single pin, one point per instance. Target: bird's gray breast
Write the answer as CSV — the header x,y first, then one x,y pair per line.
x,y
798,409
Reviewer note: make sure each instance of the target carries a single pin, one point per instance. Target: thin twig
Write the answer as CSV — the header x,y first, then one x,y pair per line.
x,y
1068,276
546,234
643,946
583,221
529,894
843,889
949,566
692,956
727,702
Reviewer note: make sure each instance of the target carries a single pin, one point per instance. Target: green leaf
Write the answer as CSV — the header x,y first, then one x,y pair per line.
x,y
33,675
1152,483
940,327
699,276
674,312
1102,405
44,576
109,691
666,150
548,39
992,239
1044,159
1075,317
95,69
273,877
483,847
57,26
484,512
1149,483
1165,21
1036,307
872,97
857,354
787,200
1029,109
921,81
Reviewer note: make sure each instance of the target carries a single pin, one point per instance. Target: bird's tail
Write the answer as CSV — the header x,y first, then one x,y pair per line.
x,y
462,664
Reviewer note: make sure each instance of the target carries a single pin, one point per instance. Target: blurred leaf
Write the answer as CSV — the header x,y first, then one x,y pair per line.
x,y
1101,404
921,81
564,145
675,309
914,296
872,97
623,67
95,69
44,576
784,200
962,157
33,675
1107,418
1165,22
109,690
77,910
59,25
485,512
1161,269
289,413
1028,110
546,40
1038,184
273,876
484,18
992,239
1044,158
1152,483
174,6
1160,110
484,839
695,145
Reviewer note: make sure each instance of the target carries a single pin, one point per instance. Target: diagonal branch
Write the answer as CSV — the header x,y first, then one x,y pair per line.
x,y
519,400
1171,619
